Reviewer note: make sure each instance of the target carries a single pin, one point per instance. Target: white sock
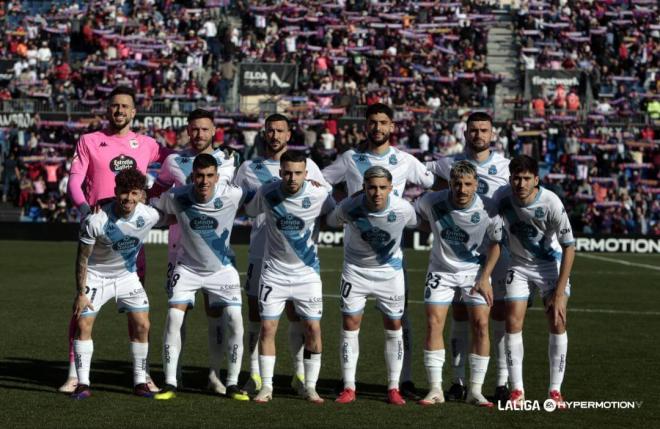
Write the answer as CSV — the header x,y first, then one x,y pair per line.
x,y
233,320
179,371
312,367
406,326
83,351
460,340
253,346
296,346
433,362
72,369
557,349
349,351
515,353
267,367
172,344
139,351
215,336
393,357
500,352
478,368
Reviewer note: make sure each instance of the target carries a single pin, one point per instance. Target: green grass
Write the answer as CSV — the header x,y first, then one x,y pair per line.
x,y
612,356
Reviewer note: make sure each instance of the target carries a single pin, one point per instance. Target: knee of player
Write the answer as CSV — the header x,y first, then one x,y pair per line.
x,y
141,327
312,329
268,330
480,327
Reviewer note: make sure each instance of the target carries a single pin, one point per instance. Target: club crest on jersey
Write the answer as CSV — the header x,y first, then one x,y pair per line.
x,y
492,170
217,203
539,213
306,203
393,160
482,187
258,166
475,218
139,222
122,162
391,217
133,143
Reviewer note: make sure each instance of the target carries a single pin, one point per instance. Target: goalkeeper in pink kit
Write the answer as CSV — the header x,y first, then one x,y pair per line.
x,y
98,158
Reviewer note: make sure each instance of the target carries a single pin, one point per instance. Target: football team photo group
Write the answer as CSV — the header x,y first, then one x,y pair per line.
x,y
499,238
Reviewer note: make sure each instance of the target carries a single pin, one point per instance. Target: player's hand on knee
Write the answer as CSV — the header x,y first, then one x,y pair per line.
x,y
80,304
483,288
557,305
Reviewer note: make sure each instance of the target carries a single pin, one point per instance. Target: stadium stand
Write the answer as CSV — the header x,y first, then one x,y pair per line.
x,y
597,138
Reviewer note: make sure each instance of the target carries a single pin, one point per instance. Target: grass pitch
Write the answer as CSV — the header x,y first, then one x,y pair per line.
x,y
613,354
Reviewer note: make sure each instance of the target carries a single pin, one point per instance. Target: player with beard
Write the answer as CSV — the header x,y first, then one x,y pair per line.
x,y
98,158
252,175
175,172
493,174
350,167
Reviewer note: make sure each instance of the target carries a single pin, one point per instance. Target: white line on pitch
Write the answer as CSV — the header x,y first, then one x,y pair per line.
x,y
618,261
571,310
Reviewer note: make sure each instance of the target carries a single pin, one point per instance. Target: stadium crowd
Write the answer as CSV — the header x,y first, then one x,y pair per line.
x,y
350,53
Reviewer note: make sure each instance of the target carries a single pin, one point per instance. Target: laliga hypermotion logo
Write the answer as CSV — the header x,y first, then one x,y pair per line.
x,y
551,405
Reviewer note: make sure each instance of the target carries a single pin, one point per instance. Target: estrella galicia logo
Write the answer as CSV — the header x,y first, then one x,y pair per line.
x,y
126,243
391,217
306,203
290,222
375,235
492,170
539,213
139,222
522,229
454,235
475,218
482,187
217,203
393,160
122,162
203,223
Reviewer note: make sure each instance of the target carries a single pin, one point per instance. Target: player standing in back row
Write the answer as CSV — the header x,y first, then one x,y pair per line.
x,y
542,254
99,157
350,167
493,173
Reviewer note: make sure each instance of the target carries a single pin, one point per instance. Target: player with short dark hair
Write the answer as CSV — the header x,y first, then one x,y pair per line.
x,y
106,268
542,254
252,175
98,158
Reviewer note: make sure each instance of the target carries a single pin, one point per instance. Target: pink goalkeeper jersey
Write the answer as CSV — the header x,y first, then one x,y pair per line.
x,y
100,156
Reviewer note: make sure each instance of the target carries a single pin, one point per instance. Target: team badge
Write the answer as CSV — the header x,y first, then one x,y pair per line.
x,y
258,166
396,192
475,218
539,213
184,160
217,203
139,222
492,170
391,217
362,158
133,143
393,160
306,203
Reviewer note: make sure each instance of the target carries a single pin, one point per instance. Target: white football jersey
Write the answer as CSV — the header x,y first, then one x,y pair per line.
x,y
373,239
116,240
205,227
350,166
252,175
537,231
290,225
458,233
177,167
492,174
